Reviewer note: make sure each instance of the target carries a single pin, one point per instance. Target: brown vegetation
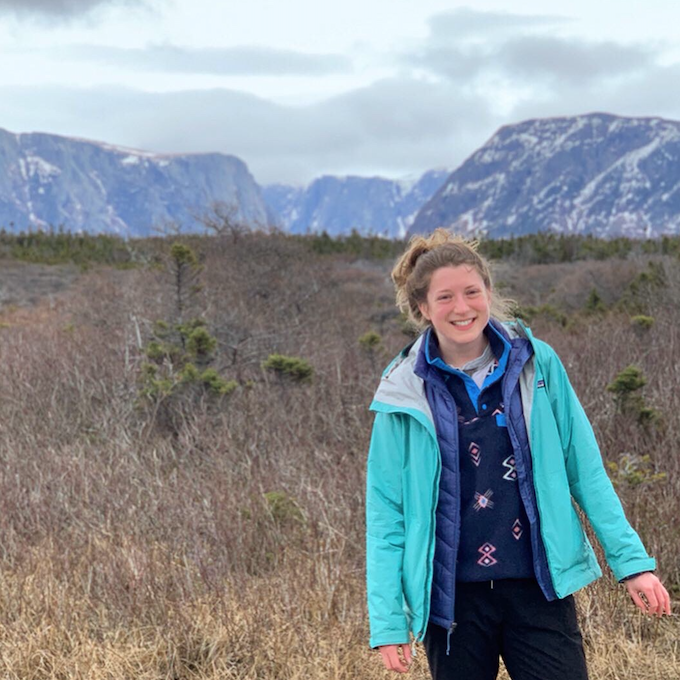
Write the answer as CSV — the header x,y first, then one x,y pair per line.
x,y
207,536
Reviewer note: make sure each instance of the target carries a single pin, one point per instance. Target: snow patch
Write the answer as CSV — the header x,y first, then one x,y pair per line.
x,y
131,160
97,180
34,166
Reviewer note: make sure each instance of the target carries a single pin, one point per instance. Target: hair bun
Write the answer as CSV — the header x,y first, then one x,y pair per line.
x,y
405,266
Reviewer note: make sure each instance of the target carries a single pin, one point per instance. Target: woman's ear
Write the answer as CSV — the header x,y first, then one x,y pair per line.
x,y
422,306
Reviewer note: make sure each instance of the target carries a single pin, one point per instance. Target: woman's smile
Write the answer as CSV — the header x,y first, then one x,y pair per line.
x,y
458,306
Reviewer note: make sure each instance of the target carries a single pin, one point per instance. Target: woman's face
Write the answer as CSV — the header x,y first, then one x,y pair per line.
x,y
458,307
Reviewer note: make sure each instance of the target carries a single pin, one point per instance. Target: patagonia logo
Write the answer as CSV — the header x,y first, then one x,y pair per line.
x,y
540,383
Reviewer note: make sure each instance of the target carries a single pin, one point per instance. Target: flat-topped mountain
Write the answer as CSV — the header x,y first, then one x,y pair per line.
x,y
49,180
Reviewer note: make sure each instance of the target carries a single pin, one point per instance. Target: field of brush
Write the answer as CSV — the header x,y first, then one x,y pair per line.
x,y
183,437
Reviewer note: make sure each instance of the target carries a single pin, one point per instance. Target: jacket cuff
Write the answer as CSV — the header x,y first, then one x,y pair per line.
x,y
391,638
639,566
627,578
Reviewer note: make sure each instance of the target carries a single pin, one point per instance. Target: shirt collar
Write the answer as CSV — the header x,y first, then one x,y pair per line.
x,y
499,346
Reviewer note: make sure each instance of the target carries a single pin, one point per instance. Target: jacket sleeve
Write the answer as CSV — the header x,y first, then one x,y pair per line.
x,y
589,483
385,532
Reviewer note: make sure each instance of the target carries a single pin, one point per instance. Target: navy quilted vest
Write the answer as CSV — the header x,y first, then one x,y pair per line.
x,y
448,519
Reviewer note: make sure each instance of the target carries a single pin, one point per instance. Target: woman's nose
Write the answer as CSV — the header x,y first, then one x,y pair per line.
x,y
460,304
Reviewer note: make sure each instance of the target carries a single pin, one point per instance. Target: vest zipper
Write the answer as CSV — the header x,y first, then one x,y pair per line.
x,y
453,625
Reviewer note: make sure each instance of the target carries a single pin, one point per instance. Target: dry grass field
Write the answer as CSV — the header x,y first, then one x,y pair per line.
x,y
197,536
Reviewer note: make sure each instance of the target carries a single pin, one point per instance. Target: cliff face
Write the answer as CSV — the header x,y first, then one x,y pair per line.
x,y
47,180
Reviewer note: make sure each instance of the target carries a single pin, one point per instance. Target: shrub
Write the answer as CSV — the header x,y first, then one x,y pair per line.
x,y
201,344
644,289
634,470
594,303
283,508
292,368
625,387
626,384
642,322
212,380
176,376
370,341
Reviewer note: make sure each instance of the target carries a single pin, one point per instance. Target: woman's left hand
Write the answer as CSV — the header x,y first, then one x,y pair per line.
x,y
649,594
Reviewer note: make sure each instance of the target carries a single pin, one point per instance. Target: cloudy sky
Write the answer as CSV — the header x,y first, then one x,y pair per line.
x,y
303,88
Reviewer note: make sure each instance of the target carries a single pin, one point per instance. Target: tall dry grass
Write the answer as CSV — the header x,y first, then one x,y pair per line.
x,y
133,546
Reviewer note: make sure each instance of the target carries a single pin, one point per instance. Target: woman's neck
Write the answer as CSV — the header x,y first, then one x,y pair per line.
x,y
460,356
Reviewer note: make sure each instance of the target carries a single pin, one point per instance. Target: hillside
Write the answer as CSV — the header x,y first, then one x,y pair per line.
x,y
594,174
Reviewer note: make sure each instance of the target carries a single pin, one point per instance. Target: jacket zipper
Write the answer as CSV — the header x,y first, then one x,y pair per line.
x,y
426,600
448,637
532,523
453,625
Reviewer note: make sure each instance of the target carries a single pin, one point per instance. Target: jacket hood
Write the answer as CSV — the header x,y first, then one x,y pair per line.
x,y
400,388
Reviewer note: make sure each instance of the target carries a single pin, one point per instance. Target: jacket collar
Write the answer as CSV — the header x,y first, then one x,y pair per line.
x,y
402,386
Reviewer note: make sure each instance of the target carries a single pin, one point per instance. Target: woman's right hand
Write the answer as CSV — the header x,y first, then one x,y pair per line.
x,y
393,661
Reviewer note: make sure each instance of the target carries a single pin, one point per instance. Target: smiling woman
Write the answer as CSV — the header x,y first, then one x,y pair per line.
x,y
477,409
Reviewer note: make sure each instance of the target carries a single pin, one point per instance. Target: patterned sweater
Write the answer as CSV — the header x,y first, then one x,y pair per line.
x,y
494,537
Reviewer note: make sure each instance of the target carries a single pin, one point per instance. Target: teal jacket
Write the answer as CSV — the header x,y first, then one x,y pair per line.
x,y
402,485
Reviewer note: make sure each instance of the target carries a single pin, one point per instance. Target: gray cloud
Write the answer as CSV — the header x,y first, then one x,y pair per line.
x,y
392,127
452,62
60,8
464,22
223,61
572,60
531,58
648,93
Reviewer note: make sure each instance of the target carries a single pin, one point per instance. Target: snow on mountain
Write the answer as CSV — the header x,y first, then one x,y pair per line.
x,y
597,174
337,205
49,180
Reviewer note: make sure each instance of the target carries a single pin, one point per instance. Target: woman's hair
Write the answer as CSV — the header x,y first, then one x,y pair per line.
x,y
423,256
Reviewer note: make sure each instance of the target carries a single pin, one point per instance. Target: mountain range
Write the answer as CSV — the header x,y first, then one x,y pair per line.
x,y
337,205
594,174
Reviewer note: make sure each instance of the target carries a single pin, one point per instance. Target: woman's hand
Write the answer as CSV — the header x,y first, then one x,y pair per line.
x,y
392,660
649,594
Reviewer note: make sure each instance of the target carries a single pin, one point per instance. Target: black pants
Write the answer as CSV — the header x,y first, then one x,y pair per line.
x,y
538,640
